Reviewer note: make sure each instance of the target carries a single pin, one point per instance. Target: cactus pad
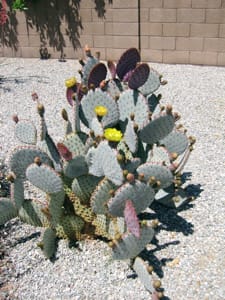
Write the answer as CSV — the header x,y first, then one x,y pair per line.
x,y
159,155
101,195
31,213
138,76
130,246
157,129
76,167
44,177
139,193
127,62
70,227
130,137
141,269
175,142
22,157
75,142
17,192
99,98
83,187
97,75
151,84
104,162
132,102
26,132
49,243
159,172
7,210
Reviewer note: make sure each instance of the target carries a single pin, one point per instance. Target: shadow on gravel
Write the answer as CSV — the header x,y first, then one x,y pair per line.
x,y
25,239
170,221
23,79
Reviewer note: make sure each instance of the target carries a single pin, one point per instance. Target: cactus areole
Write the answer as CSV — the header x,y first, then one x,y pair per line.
x,y
115,159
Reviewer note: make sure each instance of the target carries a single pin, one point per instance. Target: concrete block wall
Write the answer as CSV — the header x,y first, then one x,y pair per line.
x,y
184,31
169,31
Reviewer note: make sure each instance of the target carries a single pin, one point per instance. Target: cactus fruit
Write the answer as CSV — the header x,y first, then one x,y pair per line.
x,y
122,152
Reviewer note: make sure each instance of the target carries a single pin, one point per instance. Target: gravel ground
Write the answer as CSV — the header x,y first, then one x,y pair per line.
x,y
189,254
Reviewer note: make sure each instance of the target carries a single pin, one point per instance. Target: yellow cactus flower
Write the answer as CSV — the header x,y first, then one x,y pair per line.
x,y
100,110
113,135
70,82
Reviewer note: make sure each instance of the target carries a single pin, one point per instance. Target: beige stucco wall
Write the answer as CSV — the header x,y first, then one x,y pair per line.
x,y
171,31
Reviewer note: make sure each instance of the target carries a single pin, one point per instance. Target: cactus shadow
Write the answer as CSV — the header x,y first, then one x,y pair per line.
x,y
25,239
16,80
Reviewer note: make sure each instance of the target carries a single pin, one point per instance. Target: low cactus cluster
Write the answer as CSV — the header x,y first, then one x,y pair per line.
x,y
122,151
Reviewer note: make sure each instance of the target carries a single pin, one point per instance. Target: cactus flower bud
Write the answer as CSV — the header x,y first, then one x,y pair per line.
x,y
41,109
15,118
130,177
156,284
64,114
37,160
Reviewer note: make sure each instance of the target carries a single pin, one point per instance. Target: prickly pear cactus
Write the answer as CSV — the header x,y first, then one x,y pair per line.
x,y
122,151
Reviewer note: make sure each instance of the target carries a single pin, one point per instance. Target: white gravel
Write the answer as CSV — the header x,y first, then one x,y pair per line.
x,y
190,253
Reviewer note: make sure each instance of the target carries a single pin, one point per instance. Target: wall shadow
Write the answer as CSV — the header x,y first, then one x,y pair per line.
x,y
55,21
8,31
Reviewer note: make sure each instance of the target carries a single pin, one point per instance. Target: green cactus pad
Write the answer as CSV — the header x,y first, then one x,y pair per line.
x,y
138,192
159,172
76,167
157,129
130,246
101,195
31,213
49,243
132,102
8,210
23,156
17,192
75,142
94,168
55,206
83,187
141,269
151,84
99,98
44,177
130,137
175,142
104,162
159,155
26,132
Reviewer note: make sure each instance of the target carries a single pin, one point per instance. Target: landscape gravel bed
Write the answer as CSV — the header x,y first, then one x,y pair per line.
x,y
189,251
